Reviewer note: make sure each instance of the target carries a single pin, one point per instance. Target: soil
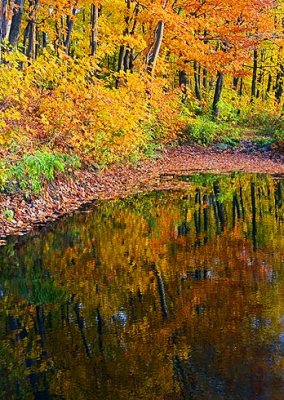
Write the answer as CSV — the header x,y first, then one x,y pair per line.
x,y
67,194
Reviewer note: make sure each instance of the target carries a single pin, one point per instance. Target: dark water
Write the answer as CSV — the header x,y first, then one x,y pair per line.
x,y
176,295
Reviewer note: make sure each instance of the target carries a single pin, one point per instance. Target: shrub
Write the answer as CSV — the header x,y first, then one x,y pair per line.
x,y
263,116
228,112
31,171
202,131
279,135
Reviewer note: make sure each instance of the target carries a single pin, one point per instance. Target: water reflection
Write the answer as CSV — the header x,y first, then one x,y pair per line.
x,y
176,295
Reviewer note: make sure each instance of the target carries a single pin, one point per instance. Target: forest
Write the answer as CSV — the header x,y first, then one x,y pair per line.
x,y
98,82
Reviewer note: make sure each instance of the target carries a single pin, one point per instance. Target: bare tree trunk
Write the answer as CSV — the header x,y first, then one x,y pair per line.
x,y
9,16
26,37
126,56
32,40
254,74
279,83
122,52
260,76
16,22
241,88
217,95
128,60
30,33
196,81
58,39
269,84
94,29
3,23
151,58
204,80
211,83
235,83
183,85
44,40
70,24
123,48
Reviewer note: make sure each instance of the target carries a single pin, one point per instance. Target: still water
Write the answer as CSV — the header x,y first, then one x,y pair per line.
x,y
168,295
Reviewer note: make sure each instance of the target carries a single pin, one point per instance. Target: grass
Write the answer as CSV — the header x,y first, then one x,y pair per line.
x,y
30,172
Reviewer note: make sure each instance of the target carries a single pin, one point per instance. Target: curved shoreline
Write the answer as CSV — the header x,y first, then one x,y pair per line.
x,y
65,195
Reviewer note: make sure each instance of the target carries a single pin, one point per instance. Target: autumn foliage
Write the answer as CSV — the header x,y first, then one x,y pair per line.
x,y
114,80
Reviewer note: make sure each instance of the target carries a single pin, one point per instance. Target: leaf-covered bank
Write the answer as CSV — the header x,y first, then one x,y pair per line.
x,y
21,213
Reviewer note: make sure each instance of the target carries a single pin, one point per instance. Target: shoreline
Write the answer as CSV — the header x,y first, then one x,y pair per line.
x,y
66,195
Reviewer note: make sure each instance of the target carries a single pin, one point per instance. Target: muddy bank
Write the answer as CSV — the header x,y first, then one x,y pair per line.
x,y
65,195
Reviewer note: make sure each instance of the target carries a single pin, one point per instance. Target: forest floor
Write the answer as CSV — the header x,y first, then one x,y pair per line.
x,y
20,215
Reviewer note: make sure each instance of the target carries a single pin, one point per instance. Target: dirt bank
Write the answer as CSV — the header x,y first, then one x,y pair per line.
x,y
64,195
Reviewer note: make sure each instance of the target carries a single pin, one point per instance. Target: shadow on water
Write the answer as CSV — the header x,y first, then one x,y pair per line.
x,y
176,295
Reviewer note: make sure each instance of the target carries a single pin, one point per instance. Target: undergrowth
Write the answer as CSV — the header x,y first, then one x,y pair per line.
x,y
261,122
29,173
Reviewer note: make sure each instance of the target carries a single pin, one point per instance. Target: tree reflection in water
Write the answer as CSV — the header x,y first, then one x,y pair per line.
x,y
175,295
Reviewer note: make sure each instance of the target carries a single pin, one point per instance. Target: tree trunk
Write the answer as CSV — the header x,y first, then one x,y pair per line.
x,y
3,23
44,40
3,18
211,83
26,37
120,65
70,24
16,23
32,40
9,16
94,29
279,83
125,58
241,88
260,77
122,52
196,81
128,60
217,95
151,58
254,74
204,80
183,85
30,33
269,83
235,83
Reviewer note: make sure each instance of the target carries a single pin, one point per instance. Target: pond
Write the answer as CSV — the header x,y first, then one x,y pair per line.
x,y
167,295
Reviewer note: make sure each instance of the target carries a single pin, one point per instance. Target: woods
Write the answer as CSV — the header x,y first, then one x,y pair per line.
x,y
113,80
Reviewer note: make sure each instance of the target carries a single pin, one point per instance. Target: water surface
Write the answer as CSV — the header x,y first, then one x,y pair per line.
x,y
169,295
